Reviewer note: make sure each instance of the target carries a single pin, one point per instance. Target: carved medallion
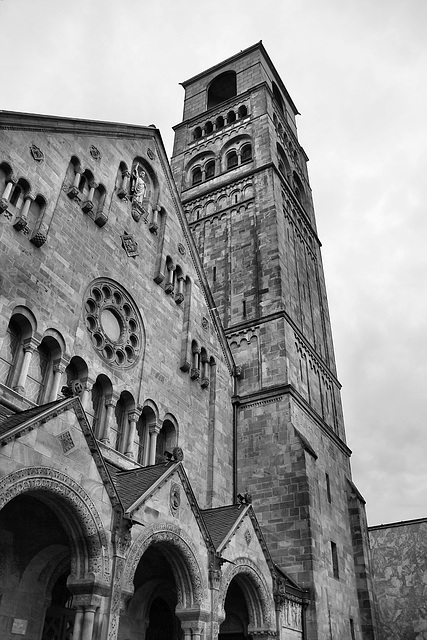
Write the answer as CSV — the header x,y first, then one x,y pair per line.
x,y
94,152
150,154
181,249
37,153
175,499
205,323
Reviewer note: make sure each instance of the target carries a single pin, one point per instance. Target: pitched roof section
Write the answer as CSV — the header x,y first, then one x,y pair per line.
x,y
14,424
221,521
133,484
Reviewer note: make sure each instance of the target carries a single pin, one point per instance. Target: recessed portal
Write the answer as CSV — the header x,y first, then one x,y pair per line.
x,y
235,625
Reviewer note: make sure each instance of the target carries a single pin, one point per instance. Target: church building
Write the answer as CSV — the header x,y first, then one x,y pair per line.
x,y
173,461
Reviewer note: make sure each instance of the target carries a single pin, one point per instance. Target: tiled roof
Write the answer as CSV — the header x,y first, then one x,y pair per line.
x,y
22,417
220,521
133,484
5,413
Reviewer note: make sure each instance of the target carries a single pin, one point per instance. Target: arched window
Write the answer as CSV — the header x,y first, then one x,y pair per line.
x,y
146,420
119,430
204,378
21,329
102,392
208,127
74,172
219,122
278,96
9,353
196,176
243,111
283,163
19,192
122,181
197,133
232,159
43,380
75,376
210,169
299,189
100,213
6,185
35,212
38,374
231,117
166,440
246,153
195,361
222,88
180,280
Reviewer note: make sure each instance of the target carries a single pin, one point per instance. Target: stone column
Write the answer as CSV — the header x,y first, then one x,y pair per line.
x,y
88,622
170,278
78,624
179,298
154,430
27,203
29,346
104,431
85,396
58,370
8,189
130,445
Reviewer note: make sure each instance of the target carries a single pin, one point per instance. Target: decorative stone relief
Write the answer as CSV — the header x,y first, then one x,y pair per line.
x,y
150,154
95,152
37,153
181,249
205,323
175,499
66,441
129,245
113,323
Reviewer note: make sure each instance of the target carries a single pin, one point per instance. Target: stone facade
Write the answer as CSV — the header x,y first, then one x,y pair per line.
x,y
173,460
399,562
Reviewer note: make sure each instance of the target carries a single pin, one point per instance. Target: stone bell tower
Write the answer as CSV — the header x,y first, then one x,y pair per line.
x,y
243,178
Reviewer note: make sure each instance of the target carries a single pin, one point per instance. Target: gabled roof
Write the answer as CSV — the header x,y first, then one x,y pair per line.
x,y
222,522
4,413
20,423
14,425
133,485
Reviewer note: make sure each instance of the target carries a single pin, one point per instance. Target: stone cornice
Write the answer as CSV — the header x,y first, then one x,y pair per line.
x,y
271,394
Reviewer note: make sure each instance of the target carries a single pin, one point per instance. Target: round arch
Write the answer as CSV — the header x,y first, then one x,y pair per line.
x,y
75,511
180,552
257,596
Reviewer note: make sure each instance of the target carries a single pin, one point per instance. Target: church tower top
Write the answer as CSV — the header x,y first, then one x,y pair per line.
x,y
233,77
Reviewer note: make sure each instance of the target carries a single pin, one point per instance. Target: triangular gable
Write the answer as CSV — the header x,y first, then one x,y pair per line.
x,y
159,480
18,424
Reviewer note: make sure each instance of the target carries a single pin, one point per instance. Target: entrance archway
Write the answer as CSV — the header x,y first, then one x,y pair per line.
x,y
150,613
35,564
51,537
235,625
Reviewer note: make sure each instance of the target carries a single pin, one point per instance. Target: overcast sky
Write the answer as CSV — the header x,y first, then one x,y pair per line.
x,y
357,71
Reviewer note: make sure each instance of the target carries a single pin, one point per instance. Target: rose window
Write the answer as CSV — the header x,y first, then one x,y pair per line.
x,y
113,323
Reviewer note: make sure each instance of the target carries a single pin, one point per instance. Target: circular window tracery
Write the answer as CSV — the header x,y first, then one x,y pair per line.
x,y
113,323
